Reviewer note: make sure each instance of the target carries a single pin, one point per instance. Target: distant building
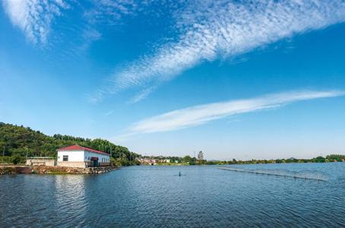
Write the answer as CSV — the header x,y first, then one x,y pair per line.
x,y
200,155
79,156
147,161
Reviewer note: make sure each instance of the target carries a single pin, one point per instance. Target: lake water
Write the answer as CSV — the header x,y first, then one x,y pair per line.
x,y
156,196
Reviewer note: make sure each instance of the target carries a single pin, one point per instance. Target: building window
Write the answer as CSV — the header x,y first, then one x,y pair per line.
x,y
65,157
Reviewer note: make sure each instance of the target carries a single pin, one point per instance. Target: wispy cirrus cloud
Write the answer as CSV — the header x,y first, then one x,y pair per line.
x,y
38,20
110,11
221,29
201,114
34,17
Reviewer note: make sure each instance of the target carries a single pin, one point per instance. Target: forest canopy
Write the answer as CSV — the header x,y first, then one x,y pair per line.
x,y
19,142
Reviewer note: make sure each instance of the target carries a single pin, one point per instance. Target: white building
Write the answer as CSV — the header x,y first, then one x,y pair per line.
x,y
79,156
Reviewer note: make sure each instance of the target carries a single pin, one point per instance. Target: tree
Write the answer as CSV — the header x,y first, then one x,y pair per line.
x,y
320,159
188,159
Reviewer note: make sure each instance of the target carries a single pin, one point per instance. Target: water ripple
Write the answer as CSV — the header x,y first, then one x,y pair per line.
x,y
154,197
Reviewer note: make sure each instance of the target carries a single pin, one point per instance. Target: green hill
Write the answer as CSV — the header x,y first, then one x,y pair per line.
x,y
17,142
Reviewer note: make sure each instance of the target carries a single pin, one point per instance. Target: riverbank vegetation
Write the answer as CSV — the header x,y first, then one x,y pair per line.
x,y
319,159
19,142
188,160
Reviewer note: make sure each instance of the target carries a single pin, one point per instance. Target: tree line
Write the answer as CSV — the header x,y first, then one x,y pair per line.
x,y
19,142
188,160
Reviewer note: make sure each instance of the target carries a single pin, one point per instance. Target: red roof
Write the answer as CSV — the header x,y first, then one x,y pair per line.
x,y
77,147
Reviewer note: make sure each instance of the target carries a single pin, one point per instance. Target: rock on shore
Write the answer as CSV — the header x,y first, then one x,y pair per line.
x,y
53,170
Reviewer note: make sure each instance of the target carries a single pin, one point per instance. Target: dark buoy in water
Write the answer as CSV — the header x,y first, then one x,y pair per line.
x,y
179,173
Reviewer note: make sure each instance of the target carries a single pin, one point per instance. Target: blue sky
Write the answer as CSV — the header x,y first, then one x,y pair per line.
x,y
264,79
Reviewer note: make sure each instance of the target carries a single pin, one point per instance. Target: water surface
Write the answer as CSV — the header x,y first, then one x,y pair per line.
x,y
155,196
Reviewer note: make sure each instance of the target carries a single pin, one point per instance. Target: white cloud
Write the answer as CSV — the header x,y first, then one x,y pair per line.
x,y
144,93
222,29
110,11
34,17
113,12
201,114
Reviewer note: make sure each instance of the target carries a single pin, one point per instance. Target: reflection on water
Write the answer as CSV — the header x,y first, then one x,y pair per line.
x,y
204,196
69,197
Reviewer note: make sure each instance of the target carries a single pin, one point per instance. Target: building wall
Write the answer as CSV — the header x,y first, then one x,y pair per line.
x,y
74,164
101,158
37,162
73,156
81,159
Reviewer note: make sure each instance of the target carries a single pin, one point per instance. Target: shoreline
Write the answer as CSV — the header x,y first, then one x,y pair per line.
x,y
53,170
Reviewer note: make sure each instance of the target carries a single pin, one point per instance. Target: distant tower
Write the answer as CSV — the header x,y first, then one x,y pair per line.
x,y
200,155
